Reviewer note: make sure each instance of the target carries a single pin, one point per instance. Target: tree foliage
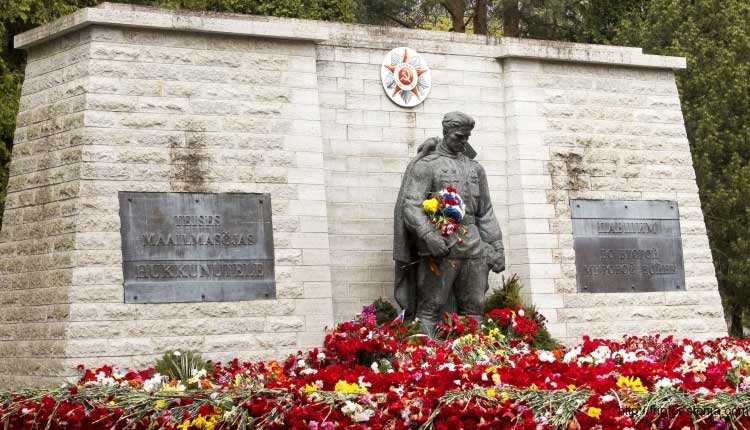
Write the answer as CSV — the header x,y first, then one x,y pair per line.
x,y
714,35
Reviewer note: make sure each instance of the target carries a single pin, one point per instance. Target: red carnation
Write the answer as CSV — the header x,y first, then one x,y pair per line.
x,y
524,326
501,316
451,189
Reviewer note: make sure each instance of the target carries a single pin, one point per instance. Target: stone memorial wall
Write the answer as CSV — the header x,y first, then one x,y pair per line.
x,y
123,102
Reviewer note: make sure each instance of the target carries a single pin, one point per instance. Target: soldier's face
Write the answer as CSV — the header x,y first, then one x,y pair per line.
x,y
457,139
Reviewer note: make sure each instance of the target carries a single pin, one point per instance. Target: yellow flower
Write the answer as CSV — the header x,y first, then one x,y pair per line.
x,y
430,205
495,334
311,388
571,387
533,387
491,392
347,388
160,404
178,387
634,384
200,422
496,379
504,395
594,412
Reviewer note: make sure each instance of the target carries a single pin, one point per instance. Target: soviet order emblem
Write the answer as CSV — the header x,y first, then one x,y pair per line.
x,y
405,76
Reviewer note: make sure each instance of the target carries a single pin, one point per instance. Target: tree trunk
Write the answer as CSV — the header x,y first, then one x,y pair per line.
x,y
480,17
735,321
456,9
511,18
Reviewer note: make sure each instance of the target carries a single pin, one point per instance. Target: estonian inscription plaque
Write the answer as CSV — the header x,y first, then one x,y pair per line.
x,y
194,247
627,246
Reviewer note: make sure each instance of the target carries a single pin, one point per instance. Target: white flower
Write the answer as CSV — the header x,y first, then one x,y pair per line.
x,y
374,366
363,416
607,398
449,366
350,408
321,356
745,383
572,354
102,379
153,384
357,412
177,353
666,383
362,383
546,356
703,391
601,353
301,363
698,365
521,313
308,372
228,415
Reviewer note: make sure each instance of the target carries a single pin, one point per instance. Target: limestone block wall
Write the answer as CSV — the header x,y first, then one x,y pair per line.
x,y
600,132
37,242
171,111
369,140
155,110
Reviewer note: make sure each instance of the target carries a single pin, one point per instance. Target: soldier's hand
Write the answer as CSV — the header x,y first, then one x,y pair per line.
x,y
436,245
497,262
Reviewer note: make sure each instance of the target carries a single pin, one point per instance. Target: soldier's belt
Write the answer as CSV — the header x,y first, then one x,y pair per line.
x,y
468,220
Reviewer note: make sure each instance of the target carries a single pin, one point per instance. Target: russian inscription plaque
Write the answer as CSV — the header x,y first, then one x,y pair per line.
x,y
627,246
195,247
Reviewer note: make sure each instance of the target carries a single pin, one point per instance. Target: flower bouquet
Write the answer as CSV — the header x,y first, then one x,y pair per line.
x,y
446,210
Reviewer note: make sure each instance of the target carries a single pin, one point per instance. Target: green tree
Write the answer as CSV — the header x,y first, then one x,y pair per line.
x,y
714,35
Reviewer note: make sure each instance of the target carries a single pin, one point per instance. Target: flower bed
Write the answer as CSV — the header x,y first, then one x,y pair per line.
x,y
370,376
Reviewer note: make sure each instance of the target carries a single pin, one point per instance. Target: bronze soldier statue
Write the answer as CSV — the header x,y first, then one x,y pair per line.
x,y
433,271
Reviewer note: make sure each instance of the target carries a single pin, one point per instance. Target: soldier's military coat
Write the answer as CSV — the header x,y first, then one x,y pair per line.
x,y
433,169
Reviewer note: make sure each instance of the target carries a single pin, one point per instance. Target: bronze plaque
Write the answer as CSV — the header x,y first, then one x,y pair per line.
x,y
195,247
627,246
